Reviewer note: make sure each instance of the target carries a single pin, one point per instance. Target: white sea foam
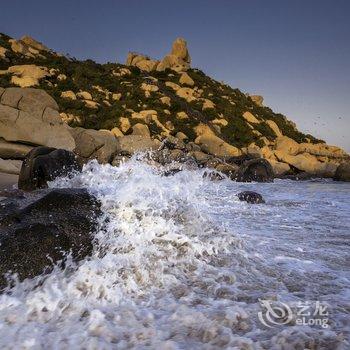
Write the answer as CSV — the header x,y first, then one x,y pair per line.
x,y
176,264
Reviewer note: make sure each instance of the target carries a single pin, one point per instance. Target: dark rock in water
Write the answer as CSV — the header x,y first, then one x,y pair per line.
x,y
43,164
251,197
171,172
35,236
239,160
259,170
213,176
343,172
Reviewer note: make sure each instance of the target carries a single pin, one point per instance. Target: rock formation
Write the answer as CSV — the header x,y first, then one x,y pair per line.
x,y
30,117
109,111
178,59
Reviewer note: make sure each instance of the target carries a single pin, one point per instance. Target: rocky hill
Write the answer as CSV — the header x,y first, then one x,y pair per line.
x,y
150,100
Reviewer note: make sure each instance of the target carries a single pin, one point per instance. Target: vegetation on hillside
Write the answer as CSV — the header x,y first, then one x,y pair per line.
x,y
95,78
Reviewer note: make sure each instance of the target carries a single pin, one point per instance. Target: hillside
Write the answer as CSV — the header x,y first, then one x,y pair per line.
x,y
161,97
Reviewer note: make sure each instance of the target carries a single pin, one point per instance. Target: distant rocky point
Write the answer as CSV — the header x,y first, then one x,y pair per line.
x,y
110,111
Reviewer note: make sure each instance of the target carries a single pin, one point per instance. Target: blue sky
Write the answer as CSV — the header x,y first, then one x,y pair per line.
x,y
294,53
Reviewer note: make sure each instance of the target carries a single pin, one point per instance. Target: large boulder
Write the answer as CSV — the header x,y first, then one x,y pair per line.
x,y
43,164
31,116
286,145
212,144
10,166
343,172
259,170
33,237
27,75
130,144
95,144
179,59
305,162
279,168
13,150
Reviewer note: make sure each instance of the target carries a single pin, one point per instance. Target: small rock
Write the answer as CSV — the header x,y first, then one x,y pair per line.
x,y
251,197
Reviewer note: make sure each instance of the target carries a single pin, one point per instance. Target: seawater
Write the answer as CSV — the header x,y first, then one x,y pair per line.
x,y
180,263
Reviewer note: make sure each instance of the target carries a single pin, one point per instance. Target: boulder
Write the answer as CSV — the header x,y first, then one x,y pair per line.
x,y
274,127
147,65
200,157
29,100
85,95
212,144
179,58
124,125
172,142
34,43
116,132
251,197
259,170
286,145
186,93
181,136
95,144
141,129
43,164
68,94
185,79
166,100
279,168
343,172
305,162
230,170
3,52
10,166
31,116
27,75
130,144
207,104
34,237
250,118
12,150
179,49
257,99
323,150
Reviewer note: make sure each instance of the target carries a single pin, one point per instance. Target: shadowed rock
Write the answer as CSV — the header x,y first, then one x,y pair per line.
x,y
34,236
43,164
250,197
259,170
343,172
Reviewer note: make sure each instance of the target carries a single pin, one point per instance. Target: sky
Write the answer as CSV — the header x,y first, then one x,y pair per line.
x,y
295,53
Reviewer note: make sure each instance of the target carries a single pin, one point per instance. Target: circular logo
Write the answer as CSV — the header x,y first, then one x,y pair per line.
x,y
275,313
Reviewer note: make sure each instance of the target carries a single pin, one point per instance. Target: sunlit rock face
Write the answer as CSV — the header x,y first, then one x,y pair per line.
x,y
178,59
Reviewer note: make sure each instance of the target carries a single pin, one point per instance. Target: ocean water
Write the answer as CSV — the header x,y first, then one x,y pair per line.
x,y
180,263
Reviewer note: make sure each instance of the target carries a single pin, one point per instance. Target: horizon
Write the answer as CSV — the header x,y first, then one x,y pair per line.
x,y
300,67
